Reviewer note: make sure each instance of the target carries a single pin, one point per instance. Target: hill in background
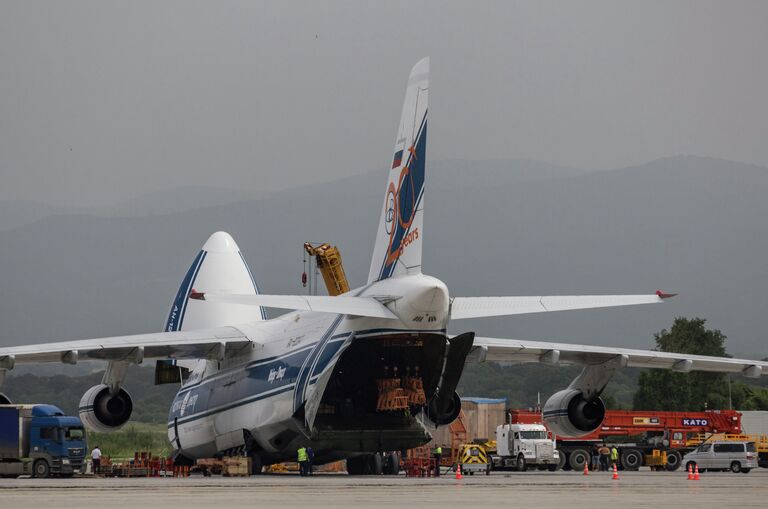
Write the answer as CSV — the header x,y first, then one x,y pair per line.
x,y
684,224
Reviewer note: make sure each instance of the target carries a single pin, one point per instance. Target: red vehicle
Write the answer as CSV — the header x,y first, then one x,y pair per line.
x,y
637,433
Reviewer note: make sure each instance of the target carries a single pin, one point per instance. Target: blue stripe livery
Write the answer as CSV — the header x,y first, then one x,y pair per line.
x,y
179,307
409,192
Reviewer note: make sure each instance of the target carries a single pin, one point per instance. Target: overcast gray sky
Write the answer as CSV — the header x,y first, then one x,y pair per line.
x,y
102,101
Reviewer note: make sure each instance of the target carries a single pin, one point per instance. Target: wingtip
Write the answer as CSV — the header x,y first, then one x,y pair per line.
x,y
663,295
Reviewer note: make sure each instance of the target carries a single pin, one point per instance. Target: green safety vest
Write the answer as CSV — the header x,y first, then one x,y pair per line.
x,y
303,454
614,454
439,450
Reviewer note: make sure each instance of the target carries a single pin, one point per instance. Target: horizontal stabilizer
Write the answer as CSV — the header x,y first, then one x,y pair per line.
x,y
356,306
478,307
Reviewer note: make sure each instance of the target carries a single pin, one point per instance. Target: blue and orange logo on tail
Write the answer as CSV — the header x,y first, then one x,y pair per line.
x,y
403,201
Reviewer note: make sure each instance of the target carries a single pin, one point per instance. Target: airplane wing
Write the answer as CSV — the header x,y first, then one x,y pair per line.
x,y
478,307
196,344
357,306
518,351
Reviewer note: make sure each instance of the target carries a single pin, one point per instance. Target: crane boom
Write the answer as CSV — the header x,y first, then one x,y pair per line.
x,y
328,259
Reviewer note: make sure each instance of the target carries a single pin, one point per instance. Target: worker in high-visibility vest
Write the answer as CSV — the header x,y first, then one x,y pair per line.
x,y
615,456
438,456
303,459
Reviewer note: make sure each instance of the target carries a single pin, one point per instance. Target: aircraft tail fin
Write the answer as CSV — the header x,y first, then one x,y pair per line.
x,y
218,267
400,233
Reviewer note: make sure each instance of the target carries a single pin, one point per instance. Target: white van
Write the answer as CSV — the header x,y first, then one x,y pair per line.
x,y
733,456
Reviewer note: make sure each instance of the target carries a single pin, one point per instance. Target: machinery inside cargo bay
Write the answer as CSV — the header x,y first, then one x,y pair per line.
x,y
379,386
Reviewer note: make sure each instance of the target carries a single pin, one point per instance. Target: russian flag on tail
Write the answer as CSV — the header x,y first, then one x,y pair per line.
x,y
397,160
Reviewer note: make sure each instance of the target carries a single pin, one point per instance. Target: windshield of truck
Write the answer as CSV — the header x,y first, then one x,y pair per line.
x,y
74,434
533,435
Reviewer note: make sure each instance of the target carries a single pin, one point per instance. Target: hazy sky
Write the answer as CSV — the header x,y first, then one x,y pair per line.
x,y
101,101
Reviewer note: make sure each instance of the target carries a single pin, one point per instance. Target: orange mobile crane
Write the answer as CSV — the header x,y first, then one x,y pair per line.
x,y
637,433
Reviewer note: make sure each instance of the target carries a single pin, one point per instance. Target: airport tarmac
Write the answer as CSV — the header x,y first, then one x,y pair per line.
x,y
530,489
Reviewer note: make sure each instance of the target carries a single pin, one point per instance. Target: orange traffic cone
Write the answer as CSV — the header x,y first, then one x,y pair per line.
x,y
690,472
696,473
615,473
586,468
458,471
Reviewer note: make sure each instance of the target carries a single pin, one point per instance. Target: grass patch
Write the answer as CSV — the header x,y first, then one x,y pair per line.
x,y
134,437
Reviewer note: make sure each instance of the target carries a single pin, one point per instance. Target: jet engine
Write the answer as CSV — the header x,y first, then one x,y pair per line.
x,y
448,413
103,412
569,414
446,404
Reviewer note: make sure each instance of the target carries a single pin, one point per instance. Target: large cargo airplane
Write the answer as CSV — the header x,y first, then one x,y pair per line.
x,y
314,376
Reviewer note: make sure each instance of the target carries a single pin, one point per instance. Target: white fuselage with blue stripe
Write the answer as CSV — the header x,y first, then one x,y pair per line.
x,y
263,389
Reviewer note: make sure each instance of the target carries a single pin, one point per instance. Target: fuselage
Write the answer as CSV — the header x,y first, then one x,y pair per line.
x,y
311,378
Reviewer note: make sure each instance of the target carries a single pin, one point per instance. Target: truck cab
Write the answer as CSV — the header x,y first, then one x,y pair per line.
x,y
520,446
40,440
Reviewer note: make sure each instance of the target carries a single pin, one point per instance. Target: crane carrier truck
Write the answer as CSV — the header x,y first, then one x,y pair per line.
x,y
637,434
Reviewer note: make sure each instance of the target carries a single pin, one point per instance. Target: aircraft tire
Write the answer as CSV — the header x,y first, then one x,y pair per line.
x,y
375,464
356,465
256,463
391,463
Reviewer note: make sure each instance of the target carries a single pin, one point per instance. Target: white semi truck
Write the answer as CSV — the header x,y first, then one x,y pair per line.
x,y
522,446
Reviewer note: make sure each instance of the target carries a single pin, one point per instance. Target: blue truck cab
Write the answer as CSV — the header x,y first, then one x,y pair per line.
x,y
41,441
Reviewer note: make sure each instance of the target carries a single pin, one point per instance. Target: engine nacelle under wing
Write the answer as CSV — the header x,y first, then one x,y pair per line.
x,y
102,412
567,413
448,413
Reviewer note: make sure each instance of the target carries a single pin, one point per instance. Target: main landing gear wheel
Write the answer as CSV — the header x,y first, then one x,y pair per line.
x,y
391,463
365,464
256,463
375,464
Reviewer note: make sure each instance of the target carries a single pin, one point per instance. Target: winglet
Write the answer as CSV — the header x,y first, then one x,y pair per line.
x,y
663,295
194,294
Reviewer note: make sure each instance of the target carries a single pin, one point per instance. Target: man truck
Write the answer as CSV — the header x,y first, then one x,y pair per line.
x,y
41,441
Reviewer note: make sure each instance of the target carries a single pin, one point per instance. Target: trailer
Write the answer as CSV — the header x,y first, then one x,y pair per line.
x,y
41,441
641,437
